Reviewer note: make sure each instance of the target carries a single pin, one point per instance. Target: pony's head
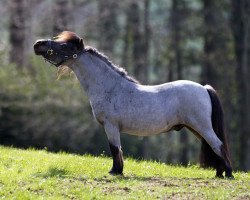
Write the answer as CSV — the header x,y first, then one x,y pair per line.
x,y
60,49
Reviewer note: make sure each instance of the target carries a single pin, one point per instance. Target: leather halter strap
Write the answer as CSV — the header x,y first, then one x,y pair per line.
x,y
53,50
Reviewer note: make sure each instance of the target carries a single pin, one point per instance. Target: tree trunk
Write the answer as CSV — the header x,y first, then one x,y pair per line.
x,y
209,71
125,55
62,16
241,31
146,38
138,43
108,25
17,28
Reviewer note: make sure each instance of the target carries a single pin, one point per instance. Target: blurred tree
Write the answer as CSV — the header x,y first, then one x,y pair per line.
x,y
62,16
138,51
146,38
241,30
127,40
212,42
135,42
216,37
108,25
17,27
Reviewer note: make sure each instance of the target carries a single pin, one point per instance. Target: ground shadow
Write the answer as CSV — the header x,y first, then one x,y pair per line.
x,y
53,172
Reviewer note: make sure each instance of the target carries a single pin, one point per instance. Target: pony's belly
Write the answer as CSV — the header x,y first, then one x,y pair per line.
x,y
146,130
145,124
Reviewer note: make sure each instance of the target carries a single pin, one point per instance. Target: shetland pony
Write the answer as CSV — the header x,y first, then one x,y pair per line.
x,y
121,104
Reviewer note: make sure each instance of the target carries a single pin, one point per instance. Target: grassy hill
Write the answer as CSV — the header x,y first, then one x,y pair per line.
x,y
32,174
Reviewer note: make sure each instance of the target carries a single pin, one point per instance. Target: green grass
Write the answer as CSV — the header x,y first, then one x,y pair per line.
x,y
32,174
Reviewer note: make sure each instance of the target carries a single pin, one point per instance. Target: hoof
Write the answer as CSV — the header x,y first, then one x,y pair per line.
x,y
115,172
229,177
219,176
229,174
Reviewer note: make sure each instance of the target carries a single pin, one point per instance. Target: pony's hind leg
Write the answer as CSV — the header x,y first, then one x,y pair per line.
x,y
113,135
217,134
214,153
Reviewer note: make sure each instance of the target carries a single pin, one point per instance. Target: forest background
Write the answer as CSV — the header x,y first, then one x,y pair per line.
x,y
207,41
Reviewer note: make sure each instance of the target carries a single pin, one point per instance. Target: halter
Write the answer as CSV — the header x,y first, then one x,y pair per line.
x,y
54,50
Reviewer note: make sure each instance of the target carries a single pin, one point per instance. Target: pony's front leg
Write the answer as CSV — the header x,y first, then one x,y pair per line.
x,y
113,135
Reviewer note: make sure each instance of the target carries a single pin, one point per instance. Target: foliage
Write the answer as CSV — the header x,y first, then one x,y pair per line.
x,y
39,110
32,174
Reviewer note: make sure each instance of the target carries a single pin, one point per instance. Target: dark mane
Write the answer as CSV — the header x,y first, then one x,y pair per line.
x,y
117,69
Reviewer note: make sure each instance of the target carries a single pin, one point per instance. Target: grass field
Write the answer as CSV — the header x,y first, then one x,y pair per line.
x,y
32,174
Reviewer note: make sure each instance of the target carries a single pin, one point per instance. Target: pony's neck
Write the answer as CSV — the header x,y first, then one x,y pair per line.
x,y
95,76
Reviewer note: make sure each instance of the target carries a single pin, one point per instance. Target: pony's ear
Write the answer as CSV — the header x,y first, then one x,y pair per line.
x,y
80,45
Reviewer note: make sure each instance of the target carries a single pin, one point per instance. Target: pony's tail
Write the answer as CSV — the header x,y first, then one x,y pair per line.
x,y
207,157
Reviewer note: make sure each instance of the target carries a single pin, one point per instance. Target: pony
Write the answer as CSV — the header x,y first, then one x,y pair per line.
x,y
123,105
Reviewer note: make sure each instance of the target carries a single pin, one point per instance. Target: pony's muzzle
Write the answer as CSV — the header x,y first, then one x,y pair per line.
x,y
40,47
